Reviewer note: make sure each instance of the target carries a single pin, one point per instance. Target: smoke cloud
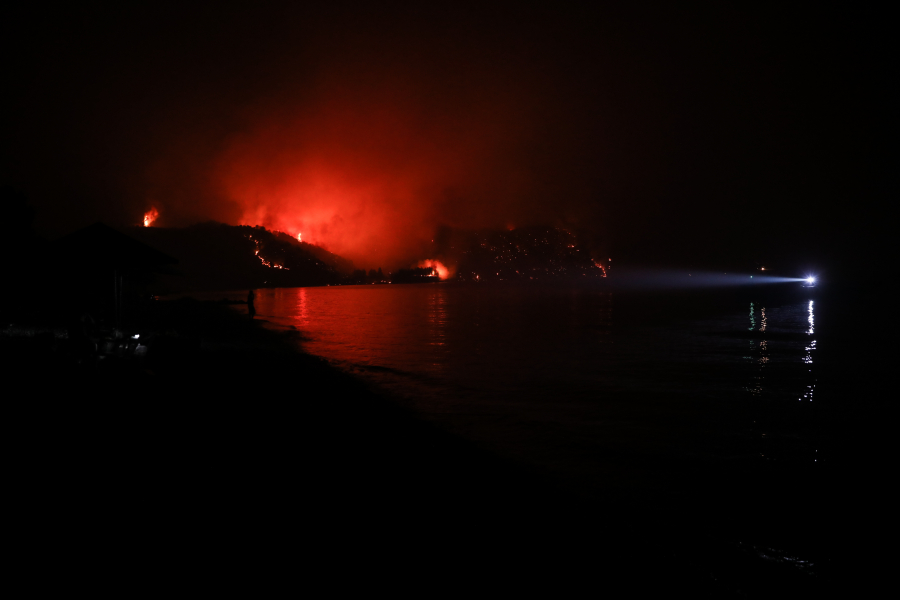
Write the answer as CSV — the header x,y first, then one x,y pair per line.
x,y
367,126
368,171
367,136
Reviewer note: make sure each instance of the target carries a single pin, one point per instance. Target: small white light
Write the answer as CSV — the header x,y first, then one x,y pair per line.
x,y
135,336
811,279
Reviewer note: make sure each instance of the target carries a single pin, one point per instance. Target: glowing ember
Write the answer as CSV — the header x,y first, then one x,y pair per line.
x,y
437,267
150,216
600,266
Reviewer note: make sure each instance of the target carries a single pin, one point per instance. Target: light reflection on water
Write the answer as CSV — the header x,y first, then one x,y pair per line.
x,y
808,357
554,356
435,338
811,320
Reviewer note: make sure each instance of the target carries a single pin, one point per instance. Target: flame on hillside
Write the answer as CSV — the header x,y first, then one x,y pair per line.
x,y
436,266
150,216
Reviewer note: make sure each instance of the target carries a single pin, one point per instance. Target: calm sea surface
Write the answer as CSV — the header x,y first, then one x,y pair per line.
x,y
534,371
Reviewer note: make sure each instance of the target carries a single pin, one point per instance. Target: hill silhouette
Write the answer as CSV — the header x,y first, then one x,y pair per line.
x,y
216,256
521,254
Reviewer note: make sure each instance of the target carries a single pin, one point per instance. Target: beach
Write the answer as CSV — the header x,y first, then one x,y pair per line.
x,y
227,435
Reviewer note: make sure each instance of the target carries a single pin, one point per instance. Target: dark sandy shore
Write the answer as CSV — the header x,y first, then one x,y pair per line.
x,y
228,455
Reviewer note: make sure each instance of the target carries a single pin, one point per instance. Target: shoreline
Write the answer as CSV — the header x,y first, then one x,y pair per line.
x,y
230,413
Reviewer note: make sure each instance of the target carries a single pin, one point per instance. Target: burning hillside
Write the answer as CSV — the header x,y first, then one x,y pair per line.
x,y
214,256
523,254
150,216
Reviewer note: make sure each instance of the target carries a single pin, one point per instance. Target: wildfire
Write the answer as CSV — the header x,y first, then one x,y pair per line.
x,y
437,267
263,260
299,237
150,216
600,266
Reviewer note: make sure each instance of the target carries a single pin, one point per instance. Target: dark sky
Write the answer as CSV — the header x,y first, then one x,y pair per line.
x,y
665,133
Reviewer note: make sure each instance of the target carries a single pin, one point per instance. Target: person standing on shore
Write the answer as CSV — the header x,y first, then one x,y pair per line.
x,y
251,309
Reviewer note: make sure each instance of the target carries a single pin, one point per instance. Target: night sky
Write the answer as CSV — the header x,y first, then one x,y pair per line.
x,y
666,134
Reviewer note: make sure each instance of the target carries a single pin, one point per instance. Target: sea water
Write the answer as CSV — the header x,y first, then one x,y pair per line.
x,y
548,374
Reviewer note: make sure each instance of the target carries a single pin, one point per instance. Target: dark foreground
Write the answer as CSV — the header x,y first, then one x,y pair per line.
x,y
227,457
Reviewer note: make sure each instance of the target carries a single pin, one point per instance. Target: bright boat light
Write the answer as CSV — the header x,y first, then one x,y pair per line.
x,y
811,279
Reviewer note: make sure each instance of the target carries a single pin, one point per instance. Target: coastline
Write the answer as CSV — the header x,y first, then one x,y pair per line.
x,y
227,428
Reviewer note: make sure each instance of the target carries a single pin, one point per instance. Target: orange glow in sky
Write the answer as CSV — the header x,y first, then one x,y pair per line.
x,y
371,181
